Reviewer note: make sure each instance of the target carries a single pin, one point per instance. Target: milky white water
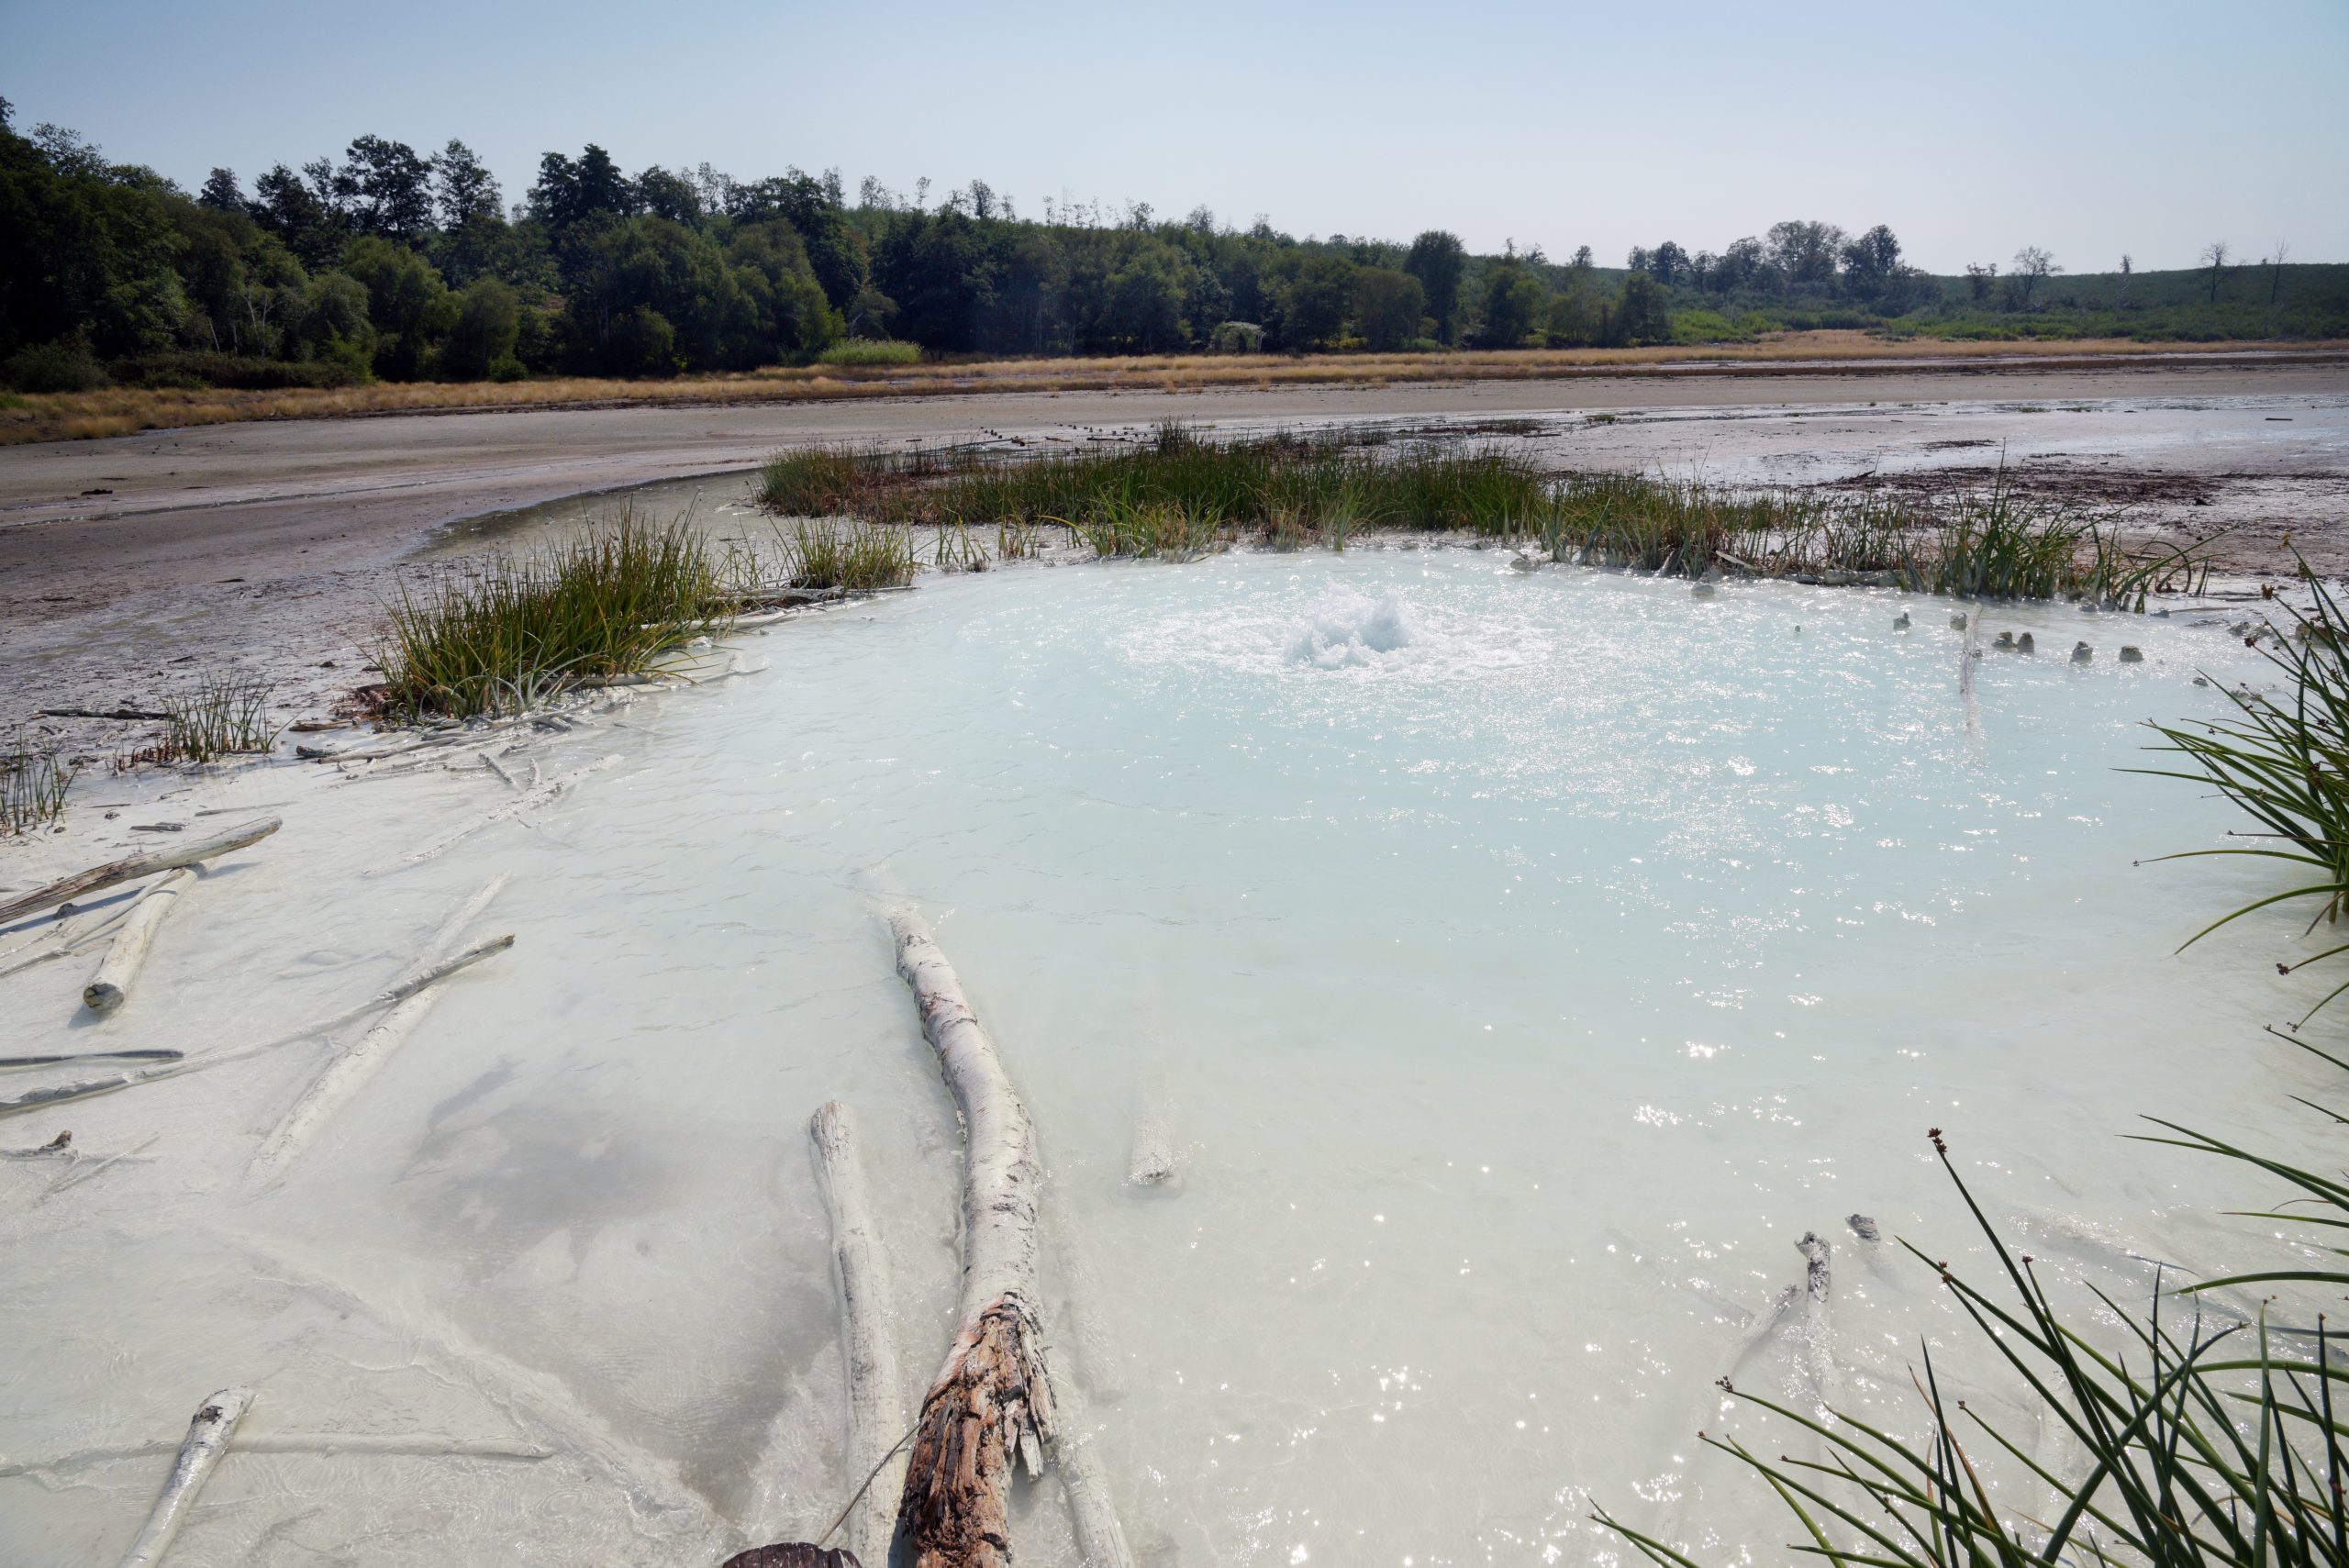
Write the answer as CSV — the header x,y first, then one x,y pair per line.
x,y
1521,962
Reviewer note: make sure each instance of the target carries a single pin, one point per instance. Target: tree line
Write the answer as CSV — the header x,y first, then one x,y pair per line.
x,y
398,264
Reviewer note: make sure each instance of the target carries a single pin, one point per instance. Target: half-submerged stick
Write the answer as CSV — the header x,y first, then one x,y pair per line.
x,y
1818,1347
110,985
876,1390
345,1074
208,1434
401,990
132,867
993,1398
537,795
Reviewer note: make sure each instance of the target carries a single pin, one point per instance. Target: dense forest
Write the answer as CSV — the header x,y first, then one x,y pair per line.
x,y
397,265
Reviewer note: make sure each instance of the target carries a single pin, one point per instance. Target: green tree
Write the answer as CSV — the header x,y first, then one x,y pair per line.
x,y
487,320
407,303
1314,304
1439,260
1513,301
1643,317
1388,307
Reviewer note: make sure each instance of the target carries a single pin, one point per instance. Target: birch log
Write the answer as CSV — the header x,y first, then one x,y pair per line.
x,y
993,1399
131,868
208,1434
876,1389
110,985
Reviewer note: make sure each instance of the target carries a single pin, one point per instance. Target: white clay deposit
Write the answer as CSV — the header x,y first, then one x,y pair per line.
x,y
1445,998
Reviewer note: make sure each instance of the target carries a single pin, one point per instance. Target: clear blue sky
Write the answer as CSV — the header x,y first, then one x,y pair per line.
x,y
2091,128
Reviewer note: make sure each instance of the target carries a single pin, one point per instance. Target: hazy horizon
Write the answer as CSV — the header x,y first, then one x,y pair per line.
x,y
2093,131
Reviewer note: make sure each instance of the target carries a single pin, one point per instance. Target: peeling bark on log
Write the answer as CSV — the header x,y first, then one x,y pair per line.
x,y
132,867
992,1400
208,1434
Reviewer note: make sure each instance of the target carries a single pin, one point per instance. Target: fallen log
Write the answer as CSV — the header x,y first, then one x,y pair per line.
x,y
876,1390
208,1434
993,1398
110,986
345,1074
131,868
135,714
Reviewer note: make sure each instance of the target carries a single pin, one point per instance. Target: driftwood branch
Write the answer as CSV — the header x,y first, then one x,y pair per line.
x,y
208,1434
111,985
132,867
88,1088
993,1399
539,795
346,1072
876,1390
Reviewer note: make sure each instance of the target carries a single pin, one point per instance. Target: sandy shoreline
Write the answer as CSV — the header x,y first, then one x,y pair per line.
x,y
127,564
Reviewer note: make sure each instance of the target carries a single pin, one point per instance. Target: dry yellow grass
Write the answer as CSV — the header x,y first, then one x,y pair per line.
x,y
83,416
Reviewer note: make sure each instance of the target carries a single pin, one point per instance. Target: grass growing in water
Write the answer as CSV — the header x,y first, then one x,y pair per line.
x,y
2211,1434
2210,1440
502,634
824,553
2287,764
32,787
1178,496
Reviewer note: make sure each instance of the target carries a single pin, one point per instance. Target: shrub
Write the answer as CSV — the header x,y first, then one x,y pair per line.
x,y
870,352
1236,338
62,366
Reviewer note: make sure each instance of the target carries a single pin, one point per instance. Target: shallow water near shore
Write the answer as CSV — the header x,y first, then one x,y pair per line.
x,y
1520,963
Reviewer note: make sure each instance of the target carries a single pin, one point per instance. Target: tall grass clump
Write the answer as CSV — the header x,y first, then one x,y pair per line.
x,y
505,634
815,482
2286,763
33,784
860,557
224,716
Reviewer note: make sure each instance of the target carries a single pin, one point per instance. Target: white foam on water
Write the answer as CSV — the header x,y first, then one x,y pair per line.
x,y
1520,964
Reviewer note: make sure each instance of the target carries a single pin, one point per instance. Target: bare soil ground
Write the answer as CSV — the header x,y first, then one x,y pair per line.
x,y
128,564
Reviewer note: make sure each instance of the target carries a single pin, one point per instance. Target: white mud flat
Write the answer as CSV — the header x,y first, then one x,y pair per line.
x,y
1453,1003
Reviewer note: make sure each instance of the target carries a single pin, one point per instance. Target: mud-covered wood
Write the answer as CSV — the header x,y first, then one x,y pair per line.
x,y
132,867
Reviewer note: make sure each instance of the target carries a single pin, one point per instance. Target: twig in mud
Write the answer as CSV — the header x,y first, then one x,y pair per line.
x,y
55,1058
652,1484
538,795
208,1434
98,1167
423,1445
489,761
132,867
89,1088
